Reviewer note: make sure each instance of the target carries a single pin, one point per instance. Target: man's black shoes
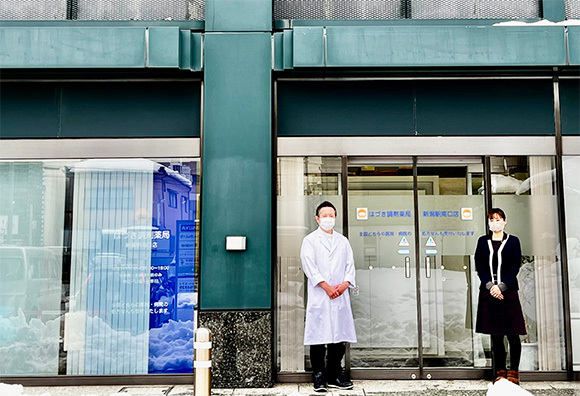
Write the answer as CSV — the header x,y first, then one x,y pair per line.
x,y
319,383
340,383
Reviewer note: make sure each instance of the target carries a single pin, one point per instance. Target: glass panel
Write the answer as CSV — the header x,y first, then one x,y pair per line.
x,y
451,219
303,183
103,232
572,204
524,187
31,257
381,232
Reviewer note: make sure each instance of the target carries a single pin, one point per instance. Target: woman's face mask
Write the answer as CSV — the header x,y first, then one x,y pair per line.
x,y
496,225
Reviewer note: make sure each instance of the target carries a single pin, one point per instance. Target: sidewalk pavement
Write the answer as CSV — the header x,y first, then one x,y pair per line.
x,y
362,388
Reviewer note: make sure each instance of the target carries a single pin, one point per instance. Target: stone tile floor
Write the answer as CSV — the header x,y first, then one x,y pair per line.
x,y
362,388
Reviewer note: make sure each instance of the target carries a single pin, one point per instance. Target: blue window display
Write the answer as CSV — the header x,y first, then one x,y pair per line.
x,y
132,294
173,257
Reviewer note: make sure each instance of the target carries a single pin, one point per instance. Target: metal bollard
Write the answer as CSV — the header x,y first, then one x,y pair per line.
x,y
202,363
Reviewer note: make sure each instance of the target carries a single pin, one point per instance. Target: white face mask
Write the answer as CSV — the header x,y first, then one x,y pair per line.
x,y
327,223
496,226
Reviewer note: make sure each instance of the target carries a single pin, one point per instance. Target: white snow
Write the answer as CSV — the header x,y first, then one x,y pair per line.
x,y
17,390
504,387
543,22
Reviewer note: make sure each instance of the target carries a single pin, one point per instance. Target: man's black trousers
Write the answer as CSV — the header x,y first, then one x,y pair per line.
x,y
333,354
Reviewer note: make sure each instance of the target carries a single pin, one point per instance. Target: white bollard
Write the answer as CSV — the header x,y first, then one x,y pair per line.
x,y
202,362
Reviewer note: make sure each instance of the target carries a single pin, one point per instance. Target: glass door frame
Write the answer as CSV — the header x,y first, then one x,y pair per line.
x,y
420,372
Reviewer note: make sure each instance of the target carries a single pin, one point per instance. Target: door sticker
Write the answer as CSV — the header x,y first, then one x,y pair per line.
x,y
404,242
404,251
431,252
362,214
431,242
466,214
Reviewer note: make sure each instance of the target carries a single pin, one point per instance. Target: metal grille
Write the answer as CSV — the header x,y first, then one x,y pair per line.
x,y
338,9
33,9
572,9
475,9
400,9
103,10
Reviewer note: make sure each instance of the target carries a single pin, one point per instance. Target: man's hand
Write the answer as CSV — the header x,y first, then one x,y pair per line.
x,y
495,291
342,287
334,291
330,290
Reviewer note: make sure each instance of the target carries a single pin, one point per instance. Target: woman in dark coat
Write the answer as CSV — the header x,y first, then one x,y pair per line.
x,y
498,257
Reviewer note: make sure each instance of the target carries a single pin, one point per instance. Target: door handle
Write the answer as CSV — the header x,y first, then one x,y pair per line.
x,y
428,266
407,267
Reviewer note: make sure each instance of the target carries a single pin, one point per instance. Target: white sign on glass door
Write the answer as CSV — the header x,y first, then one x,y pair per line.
x,y
362,214
466,214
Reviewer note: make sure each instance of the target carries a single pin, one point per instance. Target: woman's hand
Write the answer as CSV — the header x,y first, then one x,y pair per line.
x,y
495,291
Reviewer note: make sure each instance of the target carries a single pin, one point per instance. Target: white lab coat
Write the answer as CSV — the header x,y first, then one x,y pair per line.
x,y
327,321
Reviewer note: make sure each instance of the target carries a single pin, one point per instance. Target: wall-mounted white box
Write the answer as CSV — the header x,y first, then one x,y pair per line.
x,y
235,242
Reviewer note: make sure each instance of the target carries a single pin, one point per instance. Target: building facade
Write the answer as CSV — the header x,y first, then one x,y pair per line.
x,y
135,137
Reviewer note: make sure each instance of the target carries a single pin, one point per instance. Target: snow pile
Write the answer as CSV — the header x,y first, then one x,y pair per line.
x,y
171,347
504,387
543,22
28,346
14,390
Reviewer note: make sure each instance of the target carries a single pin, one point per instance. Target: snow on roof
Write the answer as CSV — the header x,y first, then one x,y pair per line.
x,y
543,22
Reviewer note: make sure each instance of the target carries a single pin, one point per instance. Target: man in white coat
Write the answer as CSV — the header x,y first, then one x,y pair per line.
x,y
328,263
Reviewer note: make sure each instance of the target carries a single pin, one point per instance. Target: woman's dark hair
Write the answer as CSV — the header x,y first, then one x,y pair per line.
x,y
325,204
494,211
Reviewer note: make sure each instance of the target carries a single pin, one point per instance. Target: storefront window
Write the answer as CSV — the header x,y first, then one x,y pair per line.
x,y
98,262
525,188
303,183
572,205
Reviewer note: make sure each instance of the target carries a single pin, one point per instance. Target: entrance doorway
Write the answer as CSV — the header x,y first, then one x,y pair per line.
x,y
413,224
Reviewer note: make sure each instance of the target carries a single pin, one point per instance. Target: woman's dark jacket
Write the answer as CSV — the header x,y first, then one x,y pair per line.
x,y
508,264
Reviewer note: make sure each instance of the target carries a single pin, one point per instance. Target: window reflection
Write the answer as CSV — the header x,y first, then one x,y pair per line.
x,y
109,247
303,183
524,187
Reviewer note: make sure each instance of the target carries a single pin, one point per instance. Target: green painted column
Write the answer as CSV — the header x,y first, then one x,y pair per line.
x,y
237,171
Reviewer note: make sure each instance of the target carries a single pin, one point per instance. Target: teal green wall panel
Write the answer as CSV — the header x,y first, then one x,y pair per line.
x,y
574,45
196,51
238,15
237,178
492,107
352,108
288,44
72,47
554,10
404,108
164,46
278,51
308,48
100,110
185,49
434,46
190,54
29,110
570,106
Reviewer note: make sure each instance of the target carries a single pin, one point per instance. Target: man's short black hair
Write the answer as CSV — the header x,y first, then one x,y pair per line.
x,y
325,204
494,211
